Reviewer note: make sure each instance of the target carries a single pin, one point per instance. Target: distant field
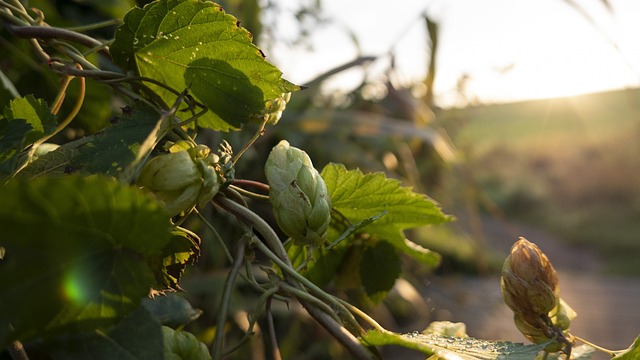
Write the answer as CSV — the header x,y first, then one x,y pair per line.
x,y
571,165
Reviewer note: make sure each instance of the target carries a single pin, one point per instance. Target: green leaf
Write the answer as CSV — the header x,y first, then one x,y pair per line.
x,y
182,249
582,352
353,229
359,196
380,267
632,353
108,152
463,348
12,134
77,250
196,45
138,336
325,264
171,310
35,112
182,345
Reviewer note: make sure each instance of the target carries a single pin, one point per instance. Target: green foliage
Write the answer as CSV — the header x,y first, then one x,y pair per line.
x,y
196,45
137,336
632,353
359,196
181,345
87,255
89,259
366,237
380,267
447,347
108,152
25,121
171,310
35,112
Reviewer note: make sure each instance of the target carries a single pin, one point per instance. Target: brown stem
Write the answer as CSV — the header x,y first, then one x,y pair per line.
x,y
16,350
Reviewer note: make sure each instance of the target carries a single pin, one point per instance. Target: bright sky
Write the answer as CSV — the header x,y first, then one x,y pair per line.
x,y
510,50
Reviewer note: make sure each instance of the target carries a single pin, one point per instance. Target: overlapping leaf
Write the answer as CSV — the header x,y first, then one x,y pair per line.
x,y
77,253
196,45
24,121
35,112
379,269
108,152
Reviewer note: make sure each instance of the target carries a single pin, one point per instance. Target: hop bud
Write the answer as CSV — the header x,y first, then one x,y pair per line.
x,y
181,178
529,281
530,288
298,195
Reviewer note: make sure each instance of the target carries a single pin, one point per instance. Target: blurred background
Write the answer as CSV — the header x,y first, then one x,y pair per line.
x,y
521,118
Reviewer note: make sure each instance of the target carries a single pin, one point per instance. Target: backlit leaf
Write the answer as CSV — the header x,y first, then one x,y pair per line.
x,y
35,112
359,196
195,45
459,348
632,353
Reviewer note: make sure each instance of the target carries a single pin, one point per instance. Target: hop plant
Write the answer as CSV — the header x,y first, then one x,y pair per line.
x,y
530,289
298,195
182,178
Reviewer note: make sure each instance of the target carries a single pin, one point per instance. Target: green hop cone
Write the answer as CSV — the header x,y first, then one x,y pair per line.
x,y
298,195
181,179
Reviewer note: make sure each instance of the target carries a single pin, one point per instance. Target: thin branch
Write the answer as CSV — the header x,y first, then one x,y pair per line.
x,y
16,350
226,298
341,334
48,33
252,183
271,329
248,193
276,253
253,139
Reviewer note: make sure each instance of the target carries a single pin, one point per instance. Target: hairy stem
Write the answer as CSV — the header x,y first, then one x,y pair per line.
x,y
226,297
253,139
272,333
48,33
276,253
349,341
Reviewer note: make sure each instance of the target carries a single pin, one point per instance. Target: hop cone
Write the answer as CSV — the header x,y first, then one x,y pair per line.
x,y
529,281
181,178
530,289
298,195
